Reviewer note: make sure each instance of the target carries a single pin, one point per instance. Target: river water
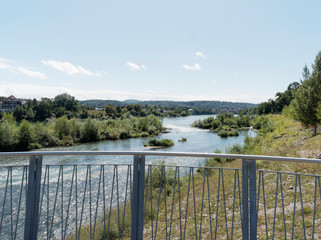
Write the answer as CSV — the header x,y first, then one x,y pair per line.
x,y
56,189
198,140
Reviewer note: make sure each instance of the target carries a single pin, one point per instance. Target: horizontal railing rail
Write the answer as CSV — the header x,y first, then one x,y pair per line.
x,y
168,154
166,200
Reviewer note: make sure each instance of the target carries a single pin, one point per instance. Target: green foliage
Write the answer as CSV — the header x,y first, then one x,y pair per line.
x,y
25,135
8,135
66,132
223,134
89,131
308,96
224,122
161,143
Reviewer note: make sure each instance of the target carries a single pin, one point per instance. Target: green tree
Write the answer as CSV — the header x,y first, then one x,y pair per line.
x,y
66,101
25,135
110,110
308,95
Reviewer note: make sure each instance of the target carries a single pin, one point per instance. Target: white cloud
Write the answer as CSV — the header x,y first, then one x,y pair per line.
x,y
33,74
196,66
30,73
200,55
70,69
133,66
6,60
214,81
4,66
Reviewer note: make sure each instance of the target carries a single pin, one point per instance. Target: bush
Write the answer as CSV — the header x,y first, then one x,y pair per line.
x,y
89,131
25,135
223,134
161,143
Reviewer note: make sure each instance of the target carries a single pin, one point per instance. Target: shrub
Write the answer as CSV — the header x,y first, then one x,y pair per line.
x,y
25,135
161,143
223,134
89,131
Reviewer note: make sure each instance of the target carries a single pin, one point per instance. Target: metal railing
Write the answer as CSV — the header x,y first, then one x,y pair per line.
x,y
139,200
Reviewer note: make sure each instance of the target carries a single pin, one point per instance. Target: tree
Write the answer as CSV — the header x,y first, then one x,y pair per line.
x,y
66,101
24,135
110,110
308,95
43,110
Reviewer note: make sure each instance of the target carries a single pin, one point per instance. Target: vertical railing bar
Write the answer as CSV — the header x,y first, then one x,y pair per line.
x,y
117,189
174,188
189,183
48,203
4,200
209,202
239,190
62,201
146,191
275,205
224,202
218,202
314,205
159,196
33,198
11,205
258,197
151,201
203,193
111,202
165,196
302,210
294,205
97,201
141,186
253,213
69,201
137,218
319,187
233,205
76,198
124,213
195,219
104,201
282,198
42,195
90,211
20,198
55,203
179,204
245,199
264,205
83,203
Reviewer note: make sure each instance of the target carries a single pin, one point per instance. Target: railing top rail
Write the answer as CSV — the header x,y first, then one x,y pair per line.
x,y
161,153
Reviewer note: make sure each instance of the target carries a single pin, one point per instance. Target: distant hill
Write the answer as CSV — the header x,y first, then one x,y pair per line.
x,y
218,105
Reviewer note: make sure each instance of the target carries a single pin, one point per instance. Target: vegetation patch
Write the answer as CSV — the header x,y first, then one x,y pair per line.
x,y
160,143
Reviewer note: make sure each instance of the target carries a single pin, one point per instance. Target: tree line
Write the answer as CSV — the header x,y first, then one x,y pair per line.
x,y
65,132
301,100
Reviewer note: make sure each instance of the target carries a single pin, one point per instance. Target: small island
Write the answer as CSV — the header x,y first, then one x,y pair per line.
x,y
226,124
159,143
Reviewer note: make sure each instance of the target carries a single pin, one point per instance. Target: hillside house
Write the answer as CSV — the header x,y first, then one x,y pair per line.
x,y
9,103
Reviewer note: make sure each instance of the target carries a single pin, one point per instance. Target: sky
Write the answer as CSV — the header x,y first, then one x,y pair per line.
x,y
228,50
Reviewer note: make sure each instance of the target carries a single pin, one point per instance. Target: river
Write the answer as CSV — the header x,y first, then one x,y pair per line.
x,y
198,140
55,189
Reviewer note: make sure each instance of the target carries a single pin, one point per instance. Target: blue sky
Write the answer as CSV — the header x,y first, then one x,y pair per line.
x,y
156,50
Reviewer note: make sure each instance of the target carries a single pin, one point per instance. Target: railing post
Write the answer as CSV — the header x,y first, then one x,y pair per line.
x,y
137,201
249,215
32,198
